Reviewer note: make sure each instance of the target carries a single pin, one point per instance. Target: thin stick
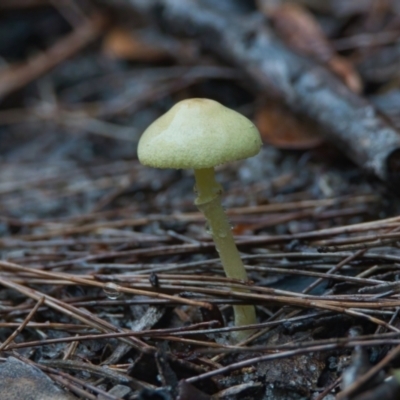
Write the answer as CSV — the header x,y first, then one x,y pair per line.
x,y
369,375
16,77
5,344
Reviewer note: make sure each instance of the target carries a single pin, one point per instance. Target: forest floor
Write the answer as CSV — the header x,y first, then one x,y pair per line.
x,y
110,284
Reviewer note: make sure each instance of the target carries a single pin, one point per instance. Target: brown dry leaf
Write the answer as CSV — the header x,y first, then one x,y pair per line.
x,y
346,72
281,128
299,29
120,43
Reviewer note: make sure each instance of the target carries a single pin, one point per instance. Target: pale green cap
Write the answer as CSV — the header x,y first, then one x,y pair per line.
x,y
198,133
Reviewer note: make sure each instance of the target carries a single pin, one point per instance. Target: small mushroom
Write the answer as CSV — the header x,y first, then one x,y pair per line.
x,y
201,134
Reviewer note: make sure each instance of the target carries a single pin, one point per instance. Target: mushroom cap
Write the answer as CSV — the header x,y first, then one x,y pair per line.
x,y
198,133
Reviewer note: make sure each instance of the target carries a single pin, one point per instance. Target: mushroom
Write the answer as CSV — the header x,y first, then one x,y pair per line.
x,y
201,134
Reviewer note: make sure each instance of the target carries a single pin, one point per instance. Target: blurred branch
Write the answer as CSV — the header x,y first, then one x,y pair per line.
x,y
15,77
347,120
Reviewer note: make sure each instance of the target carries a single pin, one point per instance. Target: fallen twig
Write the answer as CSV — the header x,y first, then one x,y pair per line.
x,y
15,77
346,119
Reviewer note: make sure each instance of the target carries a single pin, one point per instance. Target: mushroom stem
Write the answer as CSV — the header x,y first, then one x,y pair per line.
x,y
209,203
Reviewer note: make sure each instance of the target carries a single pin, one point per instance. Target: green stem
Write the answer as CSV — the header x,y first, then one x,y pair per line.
x,y
209,202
